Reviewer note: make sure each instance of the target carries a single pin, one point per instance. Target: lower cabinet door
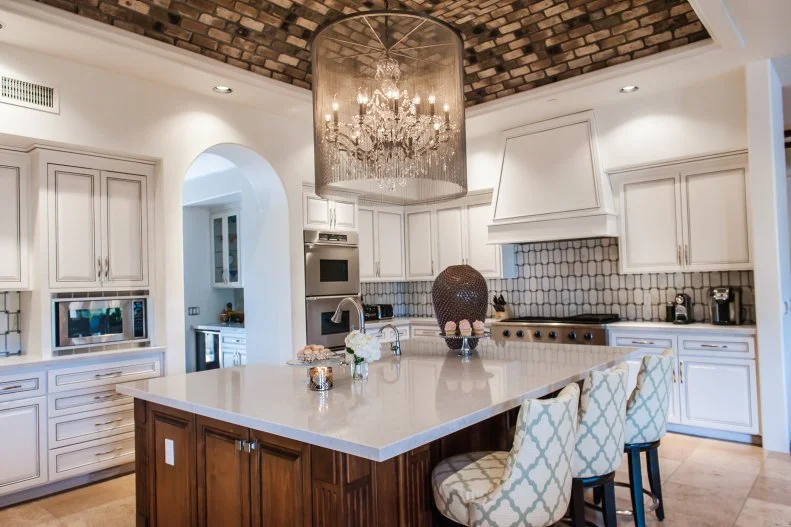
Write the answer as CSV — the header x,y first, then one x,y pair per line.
x,y
720,394
281,482
223,474
23,461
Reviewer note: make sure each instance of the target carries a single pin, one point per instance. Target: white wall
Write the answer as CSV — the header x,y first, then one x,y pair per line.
x,y
198,291
705,118
113,113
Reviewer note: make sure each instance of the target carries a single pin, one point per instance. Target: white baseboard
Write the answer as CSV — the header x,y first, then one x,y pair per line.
x,y
715,434
65,484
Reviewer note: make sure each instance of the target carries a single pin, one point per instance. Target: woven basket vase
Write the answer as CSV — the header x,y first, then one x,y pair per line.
x,y
459,293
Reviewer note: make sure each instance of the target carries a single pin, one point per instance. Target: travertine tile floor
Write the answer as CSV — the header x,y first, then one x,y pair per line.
x,y
706,484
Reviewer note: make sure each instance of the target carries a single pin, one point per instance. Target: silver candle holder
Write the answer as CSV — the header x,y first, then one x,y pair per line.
x,y
320,378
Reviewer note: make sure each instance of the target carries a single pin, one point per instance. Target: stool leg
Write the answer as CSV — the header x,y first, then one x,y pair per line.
x,y
608,504
655,480
636,484
577,503
597,495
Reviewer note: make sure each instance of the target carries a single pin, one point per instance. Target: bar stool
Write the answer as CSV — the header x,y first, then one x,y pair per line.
x,y
646,425
600,442
530,485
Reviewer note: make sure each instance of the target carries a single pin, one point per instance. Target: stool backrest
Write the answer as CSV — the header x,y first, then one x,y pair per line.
x,y
647,408
535,488
600,432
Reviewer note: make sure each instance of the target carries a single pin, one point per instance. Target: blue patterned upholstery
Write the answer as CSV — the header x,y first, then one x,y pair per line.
x,y
600,432
646,411
530,485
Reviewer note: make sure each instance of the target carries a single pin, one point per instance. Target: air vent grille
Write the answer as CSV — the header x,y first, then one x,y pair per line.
x,y
28,94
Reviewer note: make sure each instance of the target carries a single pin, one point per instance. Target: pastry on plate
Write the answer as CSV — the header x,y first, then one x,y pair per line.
x,y
450,328
478,328
465,328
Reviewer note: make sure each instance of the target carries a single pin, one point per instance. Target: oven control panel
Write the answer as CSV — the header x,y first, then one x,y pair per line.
x,y
554,333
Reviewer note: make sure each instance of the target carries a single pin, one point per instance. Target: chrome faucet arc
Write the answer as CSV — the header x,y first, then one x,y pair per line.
x,y
337,317
395,347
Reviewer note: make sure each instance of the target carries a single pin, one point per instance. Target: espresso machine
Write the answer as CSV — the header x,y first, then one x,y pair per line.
x,y
682,314
725,305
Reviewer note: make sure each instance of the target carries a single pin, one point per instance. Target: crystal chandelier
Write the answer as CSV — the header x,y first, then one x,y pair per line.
x,y
389,108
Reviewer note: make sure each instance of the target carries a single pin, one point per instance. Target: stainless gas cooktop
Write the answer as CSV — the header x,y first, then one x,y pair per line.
x,y
577,329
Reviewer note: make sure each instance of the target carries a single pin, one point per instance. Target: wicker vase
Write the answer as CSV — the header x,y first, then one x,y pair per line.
x,y
459,293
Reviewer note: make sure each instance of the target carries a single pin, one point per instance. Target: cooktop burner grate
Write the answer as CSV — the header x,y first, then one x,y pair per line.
x,y
576,319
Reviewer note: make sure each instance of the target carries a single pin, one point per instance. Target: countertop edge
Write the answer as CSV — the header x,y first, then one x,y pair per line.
x,y
38,362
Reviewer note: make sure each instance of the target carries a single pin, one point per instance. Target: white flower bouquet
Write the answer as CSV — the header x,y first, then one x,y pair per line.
x,y
363,347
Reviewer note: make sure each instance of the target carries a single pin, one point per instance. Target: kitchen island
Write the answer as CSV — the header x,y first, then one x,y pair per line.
x,y
253,446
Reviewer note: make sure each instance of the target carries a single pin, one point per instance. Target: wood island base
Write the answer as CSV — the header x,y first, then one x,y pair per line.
x,y
193,470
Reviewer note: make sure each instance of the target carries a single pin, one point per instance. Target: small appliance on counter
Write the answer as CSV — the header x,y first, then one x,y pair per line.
x,y
682,312
378,312
725,306
502,310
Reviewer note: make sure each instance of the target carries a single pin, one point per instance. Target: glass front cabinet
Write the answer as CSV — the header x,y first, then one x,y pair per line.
x,y
226,249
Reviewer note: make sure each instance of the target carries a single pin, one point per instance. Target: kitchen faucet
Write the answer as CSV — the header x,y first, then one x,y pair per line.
x,y
337,318
395,347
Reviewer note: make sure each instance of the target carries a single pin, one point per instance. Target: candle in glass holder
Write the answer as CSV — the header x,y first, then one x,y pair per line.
x,y
320,378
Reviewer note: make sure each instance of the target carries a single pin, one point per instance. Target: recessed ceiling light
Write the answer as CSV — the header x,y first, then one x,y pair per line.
x,y
629,88
223,89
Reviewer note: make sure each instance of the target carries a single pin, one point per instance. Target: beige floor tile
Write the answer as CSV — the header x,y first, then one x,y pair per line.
x,y
776,468
729,456
678,447
667,468
119,513
772,490
701,504
778,456
757,513
89,497
714,479
28,515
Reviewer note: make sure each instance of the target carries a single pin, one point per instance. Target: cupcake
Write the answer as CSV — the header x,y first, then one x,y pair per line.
x,y
478,329
450,328
465,328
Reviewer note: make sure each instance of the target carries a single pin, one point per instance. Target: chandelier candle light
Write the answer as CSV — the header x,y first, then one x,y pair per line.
x,y
388,108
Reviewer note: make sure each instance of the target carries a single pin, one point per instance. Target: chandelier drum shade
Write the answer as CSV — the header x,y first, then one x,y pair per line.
x,y
388,108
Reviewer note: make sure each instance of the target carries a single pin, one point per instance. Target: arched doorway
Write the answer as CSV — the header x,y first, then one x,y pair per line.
x,y
236,250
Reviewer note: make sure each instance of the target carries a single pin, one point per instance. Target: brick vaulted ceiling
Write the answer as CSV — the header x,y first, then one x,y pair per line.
x,y
510,45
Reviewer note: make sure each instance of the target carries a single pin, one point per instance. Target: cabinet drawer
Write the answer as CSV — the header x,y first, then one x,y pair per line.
x,y
239,341
710,346
22,385
80,428
85,400
103,374
69,461
636,340
425,331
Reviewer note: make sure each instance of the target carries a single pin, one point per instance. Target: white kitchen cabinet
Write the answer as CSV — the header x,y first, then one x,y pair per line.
x,y
23,459
338,213
98,228
420,244
690,216
226,247
450,236
714,377
14,236
233,349
381,244
719,393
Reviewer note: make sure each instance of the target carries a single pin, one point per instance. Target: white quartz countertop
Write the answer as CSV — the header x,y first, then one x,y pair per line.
x,y
676,328
37,361
233,327
427,393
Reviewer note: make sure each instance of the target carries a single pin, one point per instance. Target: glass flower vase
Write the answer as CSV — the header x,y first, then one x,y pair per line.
x,y
360,371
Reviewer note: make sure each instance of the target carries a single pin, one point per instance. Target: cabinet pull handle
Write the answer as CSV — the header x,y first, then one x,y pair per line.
x,y
674,375
14,387
239,444
116,449
111,374
107,268
713,346
250,446
112,421
649,342
681,372
108,396
678,255
98,268
686,253
432,267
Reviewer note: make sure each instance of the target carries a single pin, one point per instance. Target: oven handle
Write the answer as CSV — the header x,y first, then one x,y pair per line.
x,y
328,244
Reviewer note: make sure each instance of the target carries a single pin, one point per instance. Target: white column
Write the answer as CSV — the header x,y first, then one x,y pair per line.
x,y
770,236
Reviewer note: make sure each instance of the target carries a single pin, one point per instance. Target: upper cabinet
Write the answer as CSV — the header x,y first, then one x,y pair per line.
x,y
420,237
381,240
98,227
689,216
14,186
338,213
226,249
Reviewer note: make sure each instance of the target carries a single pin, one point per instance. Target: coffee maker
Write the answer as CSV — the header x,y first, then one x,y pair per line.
x,y
725,305
682,314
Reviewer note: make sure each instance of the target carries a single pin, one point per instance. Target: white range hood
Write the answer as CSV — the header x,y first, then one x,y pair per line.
x,y
551,186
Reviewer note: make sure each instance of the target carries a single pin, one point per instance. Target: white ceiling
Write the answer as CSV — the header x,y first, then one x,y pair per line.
x,y
743,31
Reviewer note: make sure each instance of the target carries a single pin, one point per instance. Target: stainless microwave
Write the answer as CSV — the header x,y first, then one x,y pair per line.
x,y
89,321
332,264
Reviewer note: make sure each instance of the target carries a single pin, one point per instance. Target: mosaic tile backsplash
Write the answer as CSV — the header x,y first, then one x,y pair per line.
x,y
10,332
578,276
